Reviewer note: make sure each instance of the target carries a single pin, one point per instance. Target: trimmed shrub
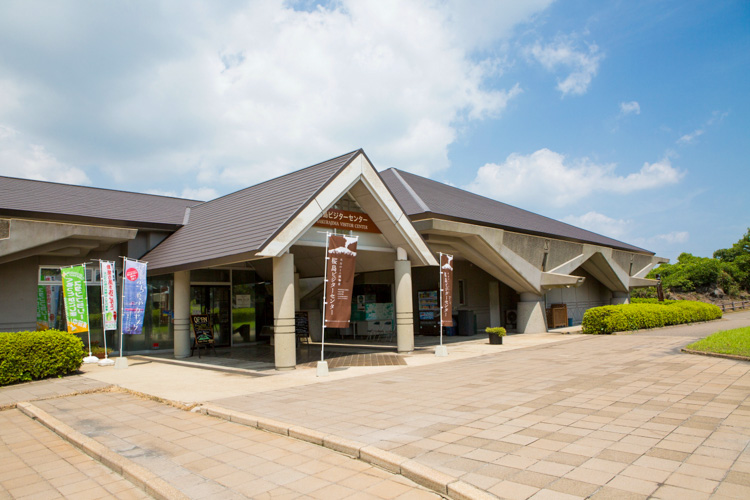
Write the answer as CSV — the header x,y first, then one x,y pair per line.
x,y
26,356
630,317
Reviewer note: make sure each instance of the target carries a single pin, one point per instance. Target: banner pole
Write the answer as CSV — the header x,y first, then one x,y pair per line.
x,y
90,358
122,362
106,361
441,298
441,350
322,369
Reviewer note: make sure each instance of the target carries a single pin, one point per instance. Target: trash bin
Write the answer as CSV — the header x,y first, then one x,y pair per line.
x,y
466,323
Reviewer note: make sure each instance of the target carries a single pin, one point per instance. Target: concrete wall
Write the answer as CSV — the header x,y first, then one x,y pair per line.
x,y
591,294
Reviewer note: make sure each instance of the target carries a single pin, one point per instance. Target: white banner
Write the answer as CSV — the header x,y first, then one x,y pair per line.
x,y
109,294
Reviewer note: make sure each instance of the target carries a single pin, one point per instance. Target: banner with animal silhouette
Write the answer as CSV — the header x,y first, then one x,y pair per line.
x,y
341,256
446,289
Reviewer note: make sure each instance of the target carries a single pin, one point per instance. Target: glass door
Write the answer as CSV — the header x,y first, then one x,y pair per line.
x,y
213,300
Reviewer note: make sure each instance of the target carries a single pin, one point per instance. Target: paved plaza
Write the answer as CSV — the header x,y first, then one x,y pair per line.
x,y
551,416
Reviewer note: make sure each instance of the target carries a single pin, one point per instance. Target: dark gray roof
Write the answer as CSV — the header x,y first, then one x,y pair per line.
x,y
243,221
424,198
65,202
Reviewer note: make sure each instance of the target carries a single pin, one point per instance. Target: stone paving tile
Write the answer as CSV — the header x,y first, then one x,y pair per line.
x,y
206,457
628,414
36,463
48,388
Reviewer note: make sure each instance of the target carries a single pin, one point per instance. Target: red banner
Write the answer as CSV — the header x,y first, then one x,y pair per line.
x,y
342,252
446,289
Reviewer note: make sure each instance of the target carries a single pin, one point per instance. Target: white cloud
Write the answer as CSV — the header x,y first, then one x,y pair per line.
x,y
601,224
563,54
546,177
673,237
200,194
688,138
716,117
20,157
632,107
232,94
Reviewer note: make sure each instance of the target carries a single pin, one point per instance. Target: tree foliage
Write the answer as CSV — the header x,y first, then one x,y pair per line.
x,y
729,269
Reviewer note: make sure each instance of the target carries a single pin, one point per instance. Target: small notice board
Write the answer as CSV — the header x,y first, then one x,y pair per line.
x,y
204,333
301,323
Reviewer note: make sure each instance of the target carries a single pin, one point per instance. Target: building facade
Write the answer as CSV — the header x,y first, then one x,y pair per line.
x,y
254,260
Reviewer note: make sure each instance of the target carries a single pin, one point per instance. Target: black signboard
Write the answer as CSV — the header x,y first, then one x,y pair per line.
x,y
301,323
204,333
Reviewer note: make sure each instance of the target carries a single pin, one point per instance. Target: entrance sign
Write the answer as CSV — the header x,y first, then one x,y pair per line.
x,y
204,333
348,221
134,292
109,295
446,289
76,299
340,257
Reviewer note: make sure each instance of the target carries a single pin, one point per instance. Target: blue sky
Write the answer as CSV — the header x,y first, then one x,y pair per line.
x,y
629,118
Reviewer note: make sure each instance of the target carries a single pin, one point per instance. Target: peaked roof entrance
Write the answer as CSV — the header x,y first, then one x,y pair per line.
x,y
265,220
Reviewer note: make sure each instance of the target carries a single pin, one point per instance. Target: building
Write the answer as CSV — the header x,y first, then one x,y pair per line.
x,y
255,258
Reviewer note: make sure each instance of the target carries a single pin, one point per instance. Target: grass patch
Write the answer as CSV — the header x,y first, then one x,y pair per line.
x,y
736,342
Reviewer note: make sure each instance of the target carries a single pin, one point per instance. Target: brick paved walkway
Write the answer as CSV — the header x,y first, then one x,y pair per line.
x,y
36,463
625,416
205,457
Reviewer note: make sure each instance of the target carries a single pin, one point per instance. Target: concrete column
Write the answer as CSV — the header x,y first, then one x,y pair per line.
x,y
531,314
404,307
285,355
182,314
620,298
495,318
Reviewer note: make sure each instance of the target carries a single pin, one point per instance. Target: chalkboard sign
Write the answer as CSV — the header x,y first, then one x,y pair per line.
x,y
204,333
301,323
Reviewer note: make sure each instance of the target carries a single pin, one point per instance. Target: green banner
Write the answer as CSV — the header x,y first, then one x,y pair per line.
x,y
42,314
76,300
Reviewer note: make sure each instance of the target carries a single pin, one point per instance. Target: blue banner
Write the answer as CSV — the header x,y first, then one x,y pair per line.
x,y
134,292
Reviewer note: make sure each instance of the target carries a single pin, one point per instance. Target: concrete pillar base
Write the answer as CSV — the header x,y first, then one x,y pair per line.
x,y
404,307
531,314
322,369
441,351
284,345
121,363
620,298
181,314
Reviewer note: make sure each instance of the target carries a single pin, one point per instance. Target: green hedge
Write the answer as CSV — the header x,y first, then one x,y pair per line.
x,y
628,317
28,356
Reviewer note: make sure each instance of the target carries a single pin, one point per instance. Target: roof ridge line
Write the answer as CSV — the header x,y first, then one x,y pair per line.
x,y
411,191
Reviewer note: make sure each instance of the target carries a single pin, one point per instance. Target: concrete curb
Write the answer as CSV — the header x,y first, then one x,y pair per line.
x,y
734,357
139,476
200,366
423,475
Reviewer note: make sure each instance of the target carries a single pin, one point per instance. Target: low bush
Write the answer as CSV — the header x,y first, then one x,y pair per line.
x,y
26,356
496,330
629,317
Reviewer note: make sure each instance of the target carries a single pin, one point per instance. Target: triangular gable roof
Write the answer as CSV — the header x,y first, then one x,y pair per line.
x,y
424,198
264,220
241,222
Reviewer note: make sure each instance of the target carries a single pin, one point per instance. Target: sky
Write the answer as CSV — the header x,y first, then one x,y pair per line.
x,y
628,118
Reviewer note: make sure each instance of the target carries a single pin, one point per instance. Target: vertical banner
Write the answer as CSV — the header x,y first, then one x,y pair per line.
x,y
446,289
76,298
42,313
342,252
109,294
134,294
